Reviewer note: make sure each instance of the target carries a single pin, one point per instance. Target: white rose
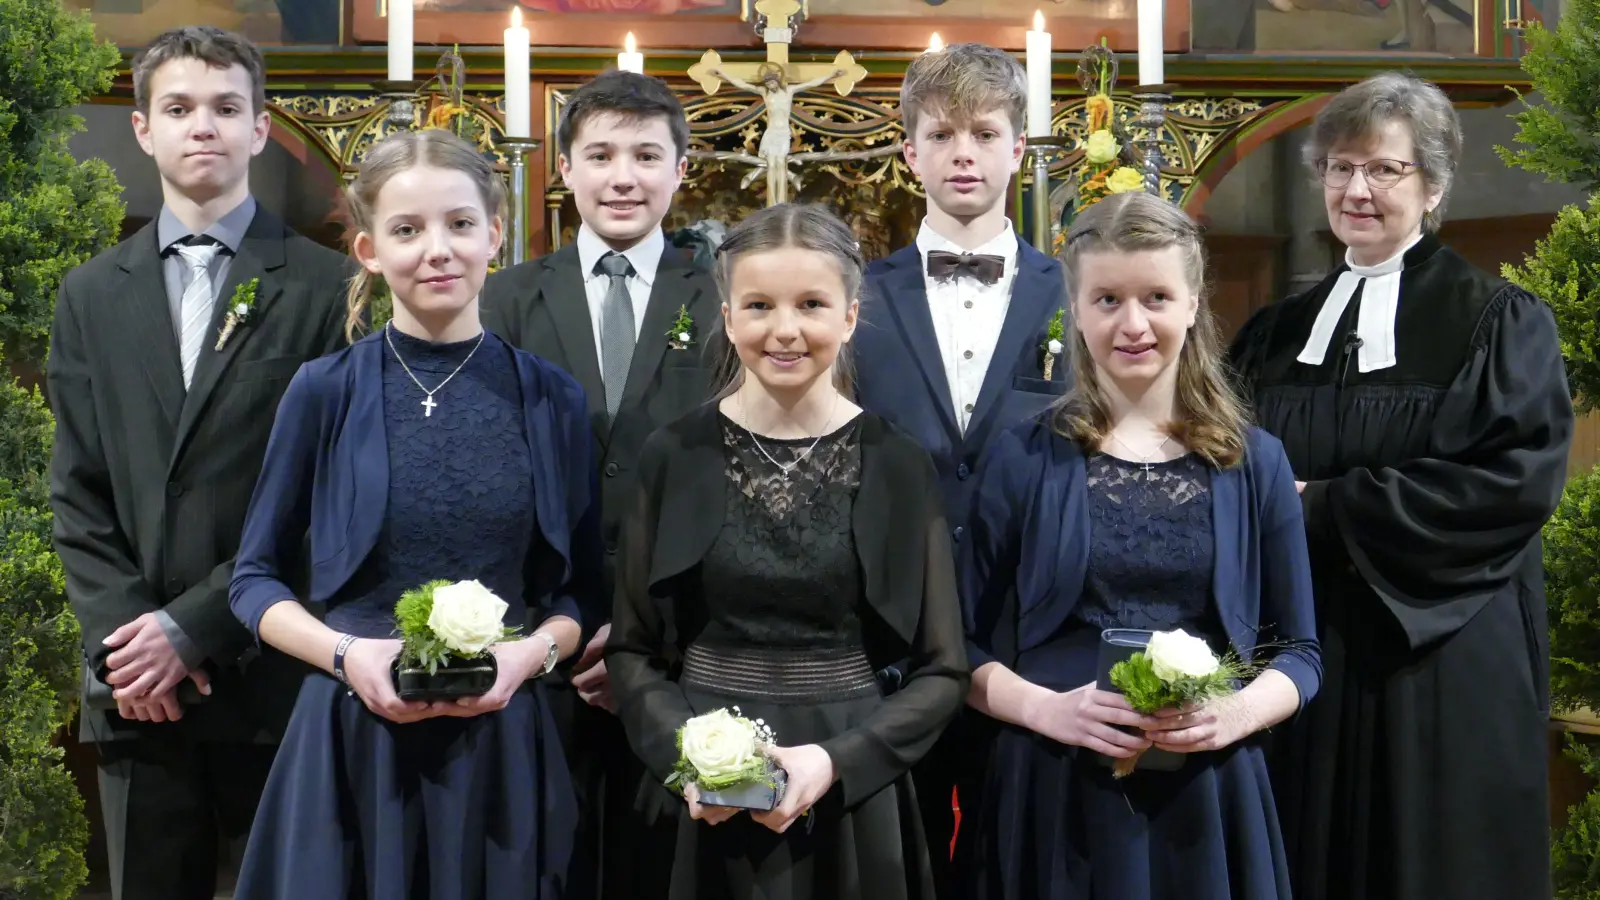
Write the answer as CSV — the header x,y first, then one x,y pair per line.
x,y
719,744
467,616
241,310
1055,347
1174,655
683,336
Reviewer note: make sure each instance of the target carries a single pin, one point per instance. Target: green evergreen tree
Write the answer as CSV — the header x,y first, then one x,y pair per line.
x,y
55,212
1560,139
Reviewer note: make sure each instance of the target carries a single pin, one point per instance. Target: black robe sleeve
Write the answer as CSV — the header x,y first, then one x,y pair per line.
x,y
1436,537
651,705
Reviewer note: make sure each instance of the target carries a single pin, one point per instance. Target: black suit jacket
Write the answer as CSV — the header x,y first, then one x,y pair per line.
x,y
150,483
540,306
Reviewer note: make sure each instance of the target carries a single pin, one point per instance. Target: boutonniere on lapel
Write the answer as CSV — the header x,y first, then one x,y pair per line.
x,y
240,309
1052,345
681,335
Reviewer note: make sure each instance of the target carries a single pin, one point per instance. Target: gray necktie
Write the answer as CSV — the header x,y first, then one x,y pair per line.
x,y
617,332
194,310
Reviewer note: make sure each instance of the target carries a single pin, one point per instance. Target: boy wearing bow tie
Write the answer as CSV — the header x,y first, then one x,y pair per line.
x,y
954,345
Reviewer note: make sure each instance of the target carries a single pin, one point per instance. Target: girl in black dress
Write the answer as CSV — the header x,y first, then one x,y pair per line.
x,y
786,546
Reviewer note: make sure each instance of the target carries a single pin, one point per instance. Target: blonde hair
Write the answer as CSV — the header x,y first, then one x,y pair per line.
x,y
400,151
1212,420
963,81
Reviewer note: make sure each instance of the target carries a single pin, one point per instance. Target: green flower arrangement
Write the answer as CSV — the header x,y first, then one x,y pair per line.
x,y
443,621
1175,670
681,335
1054,336
239,310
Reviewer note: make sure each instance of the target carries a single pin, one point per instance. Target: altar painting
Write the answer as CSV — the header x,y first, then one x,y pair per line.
x,y
1402,27
134,23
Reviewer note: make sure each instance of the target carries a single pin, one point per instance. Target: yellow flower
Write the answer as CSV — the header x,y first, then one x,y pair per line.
x,y
1098,107
1124,179
1101,148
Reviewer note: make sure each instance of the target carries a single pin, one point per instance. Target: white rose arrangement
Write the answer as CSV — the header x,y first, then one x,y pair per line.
x,y
721,750
441,621
1175,669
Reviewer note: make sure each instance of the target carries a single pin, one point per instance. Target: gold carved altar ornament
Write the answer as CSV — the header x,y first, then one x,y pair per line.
x,y
776,80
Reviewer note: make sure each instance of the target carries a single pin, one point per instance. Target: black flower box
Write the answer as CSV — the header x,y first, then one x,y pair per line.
x,y
451,680
755,795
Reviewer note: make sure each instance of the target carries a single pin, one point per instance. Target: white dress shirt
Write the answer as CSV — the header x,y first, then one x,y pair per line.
x,y
645,257
967,315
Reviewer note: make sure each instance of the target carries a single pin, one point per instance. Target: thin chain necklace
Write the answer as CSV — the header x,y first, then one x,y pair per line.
x,y
428,403
1144,459
786,469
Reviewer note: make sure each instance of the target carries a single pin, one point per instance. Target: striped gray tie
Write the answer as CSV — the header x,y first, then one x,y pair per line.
x,y
617,332
194,310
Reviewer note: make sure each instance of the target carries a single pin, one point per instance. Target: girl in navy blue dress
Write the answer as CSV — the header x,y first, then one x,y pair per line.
x,y
1143,501
427,450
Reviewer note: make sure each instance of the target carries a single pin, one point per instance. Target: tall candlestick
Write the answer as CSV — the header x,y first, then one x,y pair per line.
x,y
1151,62
518,107
935,43
630,59
401,50
1039,78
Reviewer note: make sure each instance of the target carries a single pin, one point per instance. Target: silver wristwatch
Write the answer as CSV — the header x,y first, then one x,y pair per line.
x,y
551,657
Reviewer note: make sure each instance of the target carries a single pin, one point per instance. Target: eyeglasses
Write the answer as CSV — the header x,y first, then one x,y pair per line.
x,y
1381,173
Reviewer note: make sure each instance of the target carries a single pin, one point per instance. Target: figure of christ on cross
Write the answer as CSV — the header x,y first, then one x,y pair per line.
x,y
777,81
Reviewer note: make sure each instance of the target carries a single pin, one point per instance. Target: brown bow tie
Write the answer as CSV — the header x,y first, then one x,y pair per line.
x,y
943,264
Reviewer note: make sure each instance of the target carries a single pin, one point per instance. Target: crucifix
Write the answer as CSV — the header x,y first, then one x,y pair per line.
x,y
777,81
428,404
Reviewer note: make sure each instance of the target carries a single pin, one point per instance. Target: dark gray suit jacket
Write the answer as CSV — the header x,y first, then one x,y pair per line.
x,y
540,306
150,483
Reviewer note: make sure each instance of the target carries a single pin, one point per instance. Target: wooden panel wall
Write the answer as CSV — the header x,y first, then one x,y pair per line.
x,y
1246,274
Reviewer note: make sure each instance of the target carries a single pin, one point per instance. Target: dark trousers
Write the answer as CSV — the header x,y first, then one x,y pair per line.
x,y
169,803
957,765
621,852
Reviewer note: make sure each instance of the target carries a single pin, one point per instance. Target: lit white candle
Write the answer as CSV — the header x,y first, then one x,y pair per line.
x,y
935,43
1038,78
401,50
630,59
1151,62
518,108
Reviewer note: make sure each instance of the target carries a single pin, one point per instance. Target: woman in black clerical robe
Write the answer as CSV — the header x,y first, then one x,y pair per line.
x,y
1425,410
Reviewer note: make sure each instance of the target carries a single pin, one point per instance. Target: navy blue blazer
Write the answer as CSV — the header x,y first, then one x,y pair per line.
x,y
1029,538
327,470
900,376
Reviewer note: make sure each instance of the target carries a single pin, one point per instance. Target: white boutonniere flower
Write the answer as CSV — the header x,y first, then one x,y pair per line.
x,y
240,309
681,335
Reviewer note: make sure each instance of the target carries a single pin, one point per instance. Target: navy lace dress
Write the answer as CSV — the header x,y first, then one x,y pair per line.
x,y
1057,825
358,807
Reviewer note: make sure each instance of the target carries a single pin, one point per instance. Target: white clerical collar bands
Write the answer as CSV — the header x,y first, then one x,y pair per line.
x,y
1380,301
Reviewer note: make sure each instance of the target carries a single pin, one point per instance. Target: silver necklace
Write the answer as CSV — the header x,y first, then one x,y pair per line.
x,y
786,469
1144,459
428,403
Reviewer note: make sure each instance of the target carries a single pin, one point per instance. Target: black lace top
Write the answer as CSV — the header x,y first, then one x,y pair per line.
x,y
1151,546
460,483
783,572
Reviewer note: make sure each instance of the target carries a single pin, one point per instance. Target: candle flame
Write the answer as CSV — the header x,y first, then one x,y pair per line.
x,y
935,43
628,44
516,17
1038,20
